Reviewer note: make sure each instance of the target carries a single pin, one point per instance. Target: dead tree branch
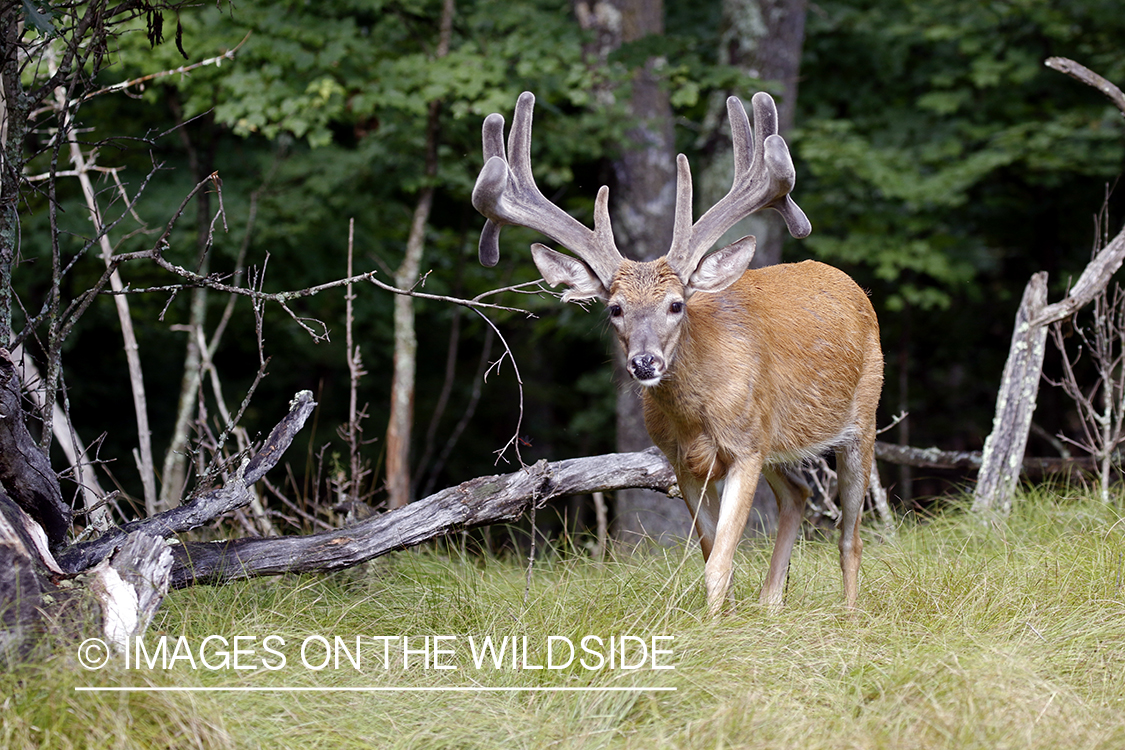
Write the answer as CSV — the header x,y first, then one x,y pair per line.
x,y
935,458
206,506
1019,388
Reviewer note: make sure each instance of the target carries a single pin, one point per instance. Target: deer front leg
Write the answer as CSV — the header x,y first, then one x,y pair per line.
x,y
702,500
734,509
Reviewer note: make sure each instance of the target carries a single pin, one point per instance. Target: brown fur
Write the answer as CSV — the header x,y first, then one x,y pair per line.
x,y
783,364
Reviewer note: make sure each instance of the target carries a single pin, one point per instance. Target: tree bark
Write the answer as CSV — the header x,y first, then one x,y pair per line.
x,y
1015,404
14,107
25,472
644,199
120,594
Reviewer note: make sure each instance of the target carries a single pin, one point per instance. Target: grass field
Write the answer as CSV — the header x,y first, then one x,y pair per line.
x,y
967,637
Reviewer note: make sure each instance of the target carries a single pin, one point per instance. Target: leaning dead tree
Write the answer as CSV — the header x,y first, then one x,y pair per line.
x,y
1019,387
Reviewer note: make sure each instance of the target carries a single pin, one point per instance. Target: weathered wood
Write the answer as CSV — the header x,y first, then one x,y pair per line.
x,y
1003,452
24,578
481,502
879,498
1090,78
934,458
25,471
926,458
127,588
477,502
1090,283
130,586
205,507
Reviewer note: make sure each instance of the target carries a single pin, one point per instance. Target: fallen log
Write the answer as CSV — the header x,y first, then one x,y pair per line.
x,y
477,502
935,458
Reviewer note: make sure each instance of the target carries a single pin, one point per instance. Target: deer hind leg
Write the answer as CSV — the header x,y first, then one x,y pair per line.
x,y
791,498
853,464
734,509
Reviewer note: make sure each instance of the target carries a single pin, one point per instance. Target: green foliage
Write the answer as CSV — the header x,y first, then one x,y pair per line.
x,y
923,123
940,163
967,636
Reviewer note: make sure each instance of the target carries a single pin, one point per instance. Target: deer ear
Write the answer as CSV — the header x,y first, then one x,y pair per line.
x,y
722,268
558,268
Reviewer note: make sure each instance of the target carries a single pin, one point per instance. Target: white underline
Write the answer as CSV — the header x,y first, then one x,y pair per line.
x,y
283,689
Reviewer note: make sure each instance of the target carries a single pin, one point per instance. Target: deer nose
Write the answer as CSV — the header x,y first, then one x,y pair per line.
x,y
646,367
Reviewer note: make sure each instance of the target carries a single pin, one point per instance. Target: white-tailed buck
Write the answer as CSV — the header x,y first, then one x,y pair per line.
x,y
744,372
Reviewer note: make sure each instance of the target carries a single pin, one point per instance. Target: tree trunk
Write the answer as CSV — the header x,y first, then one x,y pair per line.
x,y
1015,404
401,421
644,198
25,472
13,129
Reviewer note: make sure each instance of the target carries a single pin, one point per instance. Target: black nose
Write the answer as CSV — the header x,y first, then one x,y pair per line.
x,y
645,366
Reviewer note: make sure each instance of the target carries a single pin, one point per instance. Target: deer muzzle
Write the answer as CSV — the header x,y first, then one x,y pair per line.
x,y
646,369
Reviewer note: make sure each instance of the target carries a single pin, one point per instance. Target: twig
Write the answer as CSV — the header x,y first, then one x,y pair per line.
x,y
205,507
514,440
217,61
894,422
470,410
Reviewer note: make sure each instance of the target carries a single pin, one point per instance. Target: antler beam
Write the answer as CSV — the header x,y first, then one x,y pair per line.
x,y
506,193
763,178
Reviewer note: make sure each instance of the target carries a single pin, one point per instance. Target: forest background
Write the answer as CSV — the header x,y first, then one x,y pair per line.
x,y
940,162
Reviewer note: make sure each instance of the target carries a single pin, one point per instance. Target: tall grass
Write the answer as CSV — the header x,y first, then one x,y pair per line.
x,y
967,637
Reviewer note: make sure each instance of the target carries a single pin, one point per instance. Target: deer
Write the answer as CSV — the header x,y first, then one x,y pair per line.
x,y
743,373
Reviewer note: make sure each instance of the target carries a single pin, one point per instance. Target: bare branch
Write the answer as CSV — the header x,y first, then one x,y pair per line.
x,y
182,70
1090,78
205,507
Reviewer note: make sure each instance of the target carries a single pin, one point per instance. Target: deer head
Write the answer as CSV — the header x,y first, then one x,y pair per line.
x,y
645,301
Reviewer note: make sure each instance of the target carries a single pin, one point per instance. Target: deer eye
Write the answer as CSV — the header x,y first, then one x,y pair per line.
x,y
615,311
676,307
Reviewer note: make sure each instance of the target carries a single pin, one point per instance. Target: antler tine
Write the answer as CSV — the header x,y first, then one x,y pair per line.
x,y
682,228
506,193
763,178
